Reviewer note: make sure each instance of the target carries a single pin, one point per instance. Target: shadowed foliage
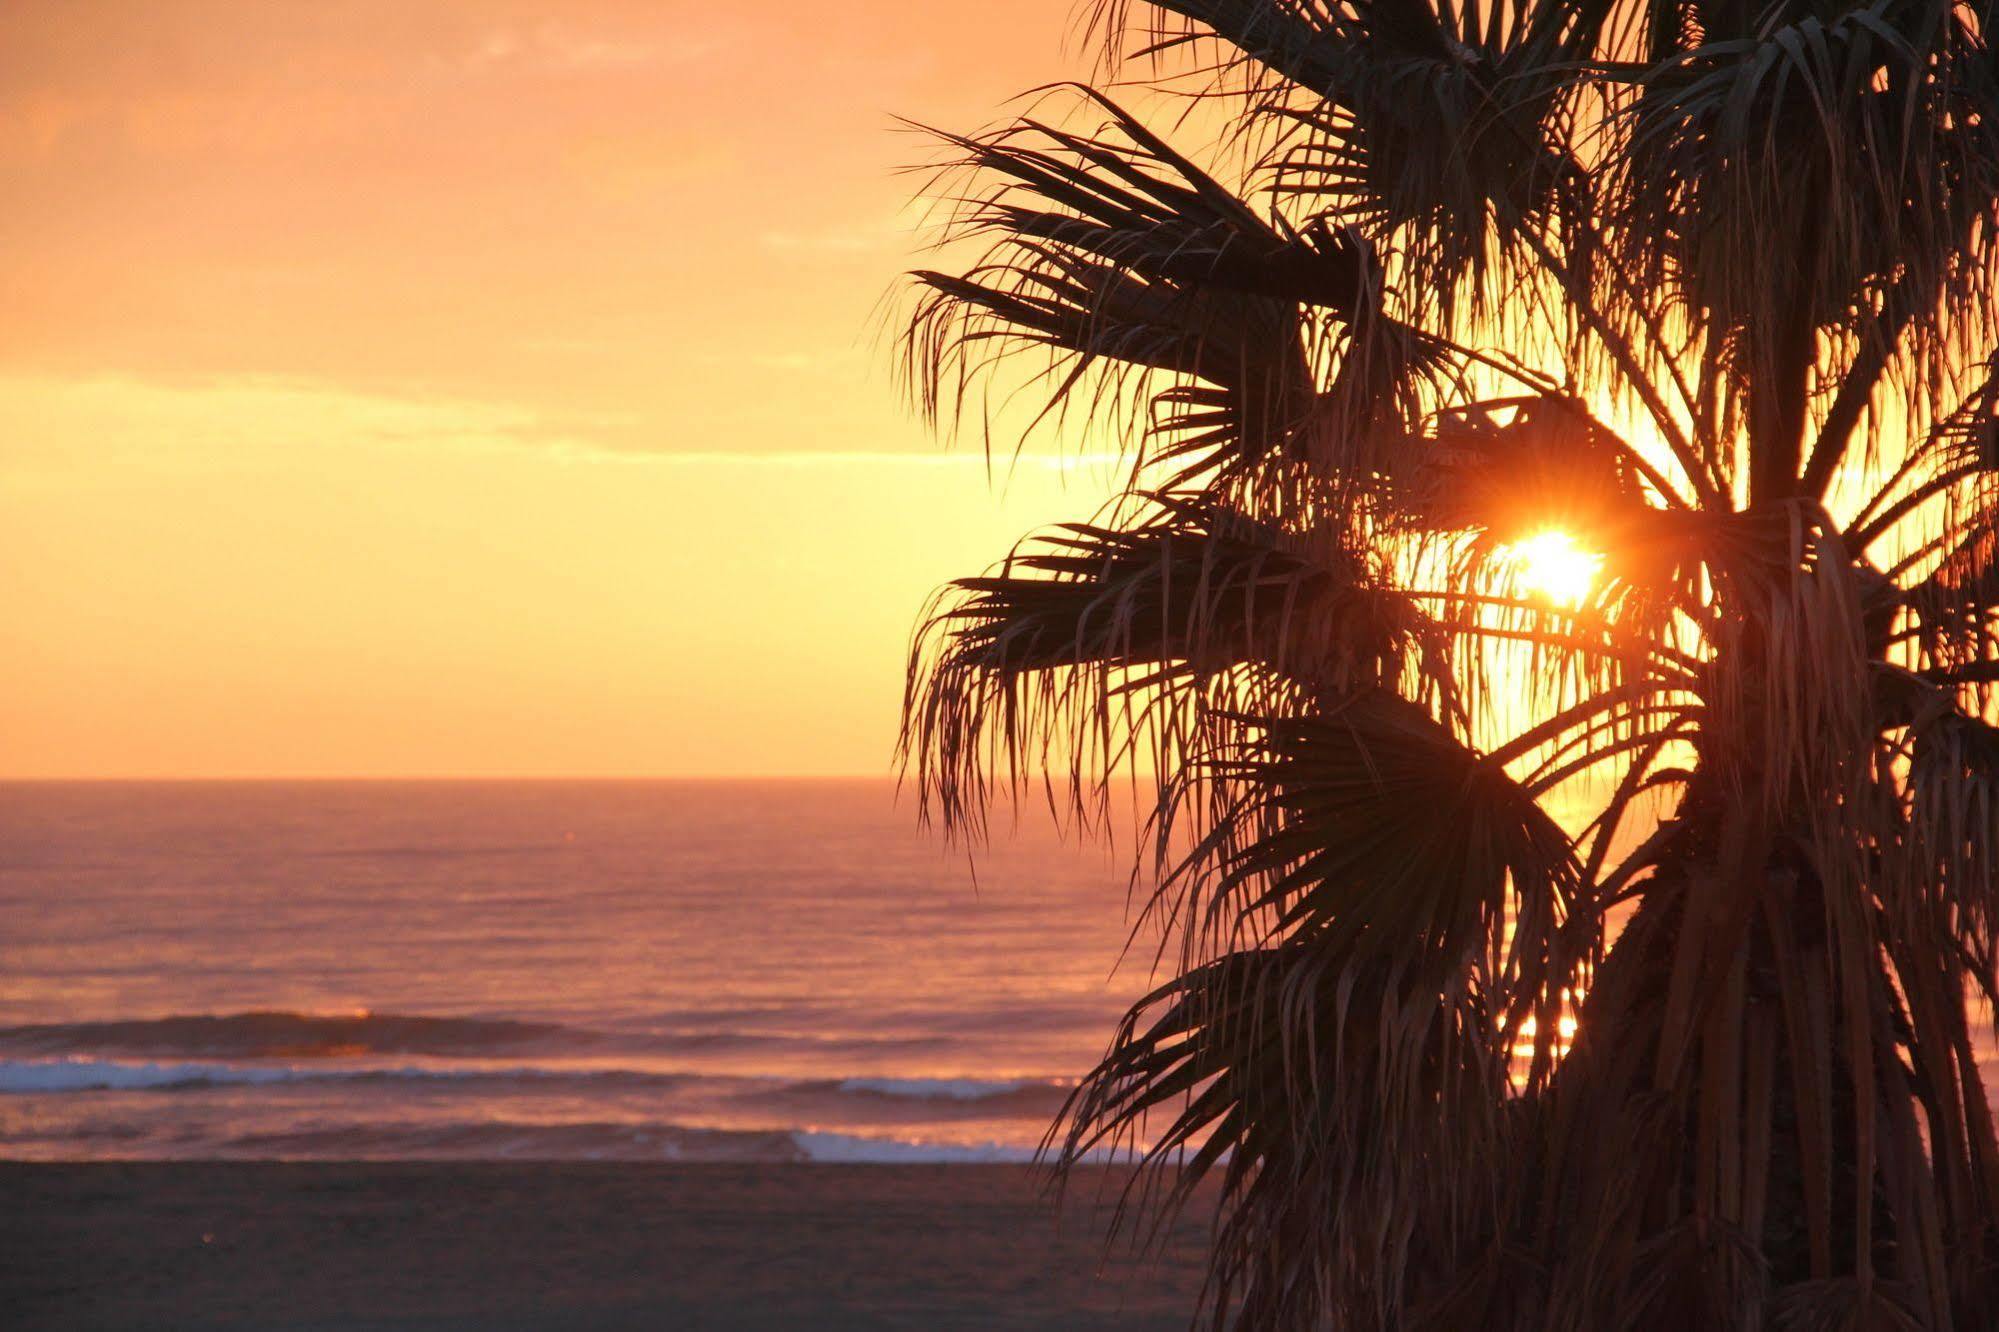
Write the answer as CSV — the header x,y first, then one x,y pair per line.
x,y
1606,960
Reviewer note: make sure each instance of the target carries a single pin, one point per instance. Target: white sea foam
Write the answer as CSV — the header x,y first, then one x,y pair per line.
x,y
849,1149
855,1149
26,1076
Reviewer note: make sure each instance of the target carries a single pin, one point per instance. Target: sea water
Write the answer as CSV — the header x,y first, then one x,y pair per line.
x,y
674,970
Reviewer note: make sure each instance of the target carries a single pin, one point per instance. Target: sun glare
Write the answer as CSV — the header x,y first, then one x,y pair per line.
x,y
1552,564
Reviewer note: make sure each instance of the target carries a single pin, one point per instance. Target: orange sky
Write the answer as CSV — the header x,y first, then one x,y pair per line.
x,y
473,387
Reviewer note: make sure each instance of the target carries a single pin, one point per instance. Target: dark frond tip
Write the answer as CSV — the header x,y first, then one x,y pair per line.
x,y
1321,1084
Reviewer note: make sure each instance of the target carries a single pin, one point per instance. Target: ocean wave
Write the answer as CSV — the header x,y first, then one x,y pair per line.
x,y
909,1099
287,1035
508,1140
75,1073
852,1149
503,1140
949,1089
32,1076
277,1034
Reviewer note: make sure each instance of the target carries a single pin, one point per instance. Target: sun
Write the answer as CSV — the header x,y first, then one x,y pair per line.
x,y
1552,564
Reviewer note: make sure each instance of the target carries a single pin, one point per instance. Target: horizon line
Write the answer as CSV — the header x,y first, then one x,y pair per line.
x,y
45,779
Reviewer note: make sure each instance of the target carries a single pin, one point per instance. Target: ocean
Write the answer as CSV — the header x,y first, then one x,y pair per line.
x,y
672,970
774,971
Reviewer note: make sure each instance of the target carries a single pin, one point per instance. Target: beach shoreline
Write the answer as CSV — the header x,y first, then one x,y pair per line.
x,y
531,1245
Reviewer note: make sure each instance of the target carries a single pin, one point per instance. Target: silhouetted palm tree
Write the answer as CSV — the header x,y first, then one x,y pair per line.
x,y
1707,287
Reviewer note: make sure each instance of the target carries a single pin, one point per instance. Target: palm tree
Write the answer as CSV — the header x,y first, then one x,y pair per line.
x,y
1702,286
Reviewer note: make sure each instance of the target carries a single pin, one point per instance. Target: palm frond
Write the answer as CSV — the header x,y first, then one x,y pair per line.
x,y
1782,179
1372,817
1320,1085
1143,277
1112,628
1394,919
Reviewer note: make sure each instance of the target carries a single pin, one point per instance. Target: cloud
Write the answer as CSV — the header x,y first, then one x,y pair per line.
x,y
99,422
559,47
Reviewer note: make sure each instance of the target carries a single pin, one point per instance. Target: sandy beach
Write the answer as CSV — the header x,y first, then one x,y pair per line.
x,y
544,1246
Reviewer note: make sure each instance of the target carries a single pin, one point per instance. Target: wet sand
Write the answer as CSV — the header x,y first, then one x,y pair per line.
x,y
571,1246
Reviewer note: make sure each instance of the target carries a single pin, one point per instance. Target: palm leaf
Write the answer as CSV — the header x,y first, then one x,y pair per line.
x,y
1107,625
1122,258
1320,1085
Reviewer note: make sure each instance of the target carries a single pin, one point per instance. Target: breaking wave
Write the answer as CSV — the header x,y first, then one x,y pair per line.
x,y
367,1086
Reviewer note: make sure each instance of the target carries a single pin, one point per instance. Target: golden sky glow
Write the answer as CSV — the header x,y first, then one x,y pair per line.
x,y
475,387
